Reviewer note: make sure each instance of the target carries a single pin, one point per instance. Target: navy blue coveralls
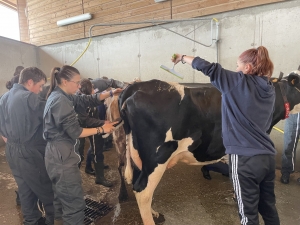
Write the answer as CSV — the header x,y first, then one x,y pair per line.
x,y
21,114
61,130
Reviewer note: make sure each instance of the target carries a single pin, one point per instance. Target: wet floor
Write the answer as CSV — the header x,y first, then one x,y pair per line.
x,y
183,197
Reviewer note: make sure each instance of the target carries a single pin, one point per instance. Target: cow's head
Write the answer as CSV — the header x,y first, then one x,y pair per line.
x,y
293,88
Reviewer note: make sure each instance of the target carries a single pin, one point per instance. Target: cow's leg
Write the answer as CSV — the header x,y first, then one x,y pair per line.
x,y
128,168
144,198
123,195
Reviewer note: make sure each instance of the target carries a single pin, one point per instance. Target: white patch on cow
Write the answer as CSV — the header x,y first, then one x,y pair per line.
x,y
182,147
225,159
183,155
297,72
132,153
144,198
178,87
128,174
169,136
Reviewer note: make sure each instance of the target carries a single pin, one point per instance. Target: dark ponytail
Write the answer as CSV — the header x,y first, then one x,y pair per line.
x,y
18,70
14,80
9,85
66,72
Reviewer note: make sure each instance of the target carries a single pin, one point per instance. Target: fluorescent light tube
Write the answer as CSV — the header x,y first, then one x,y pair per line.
x,y
74,19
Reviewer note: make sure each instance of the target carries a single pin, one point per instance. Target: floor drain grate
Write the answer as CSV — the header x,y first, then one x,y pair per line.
x,y
94,210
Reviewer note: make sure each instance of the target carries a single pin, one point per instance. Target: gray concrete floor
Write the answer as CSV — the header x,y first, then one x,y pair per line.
x,y
183,197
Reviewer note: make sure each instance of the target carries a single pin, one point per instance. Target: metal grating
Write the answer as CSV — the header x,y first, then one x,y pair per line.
x,y
94,210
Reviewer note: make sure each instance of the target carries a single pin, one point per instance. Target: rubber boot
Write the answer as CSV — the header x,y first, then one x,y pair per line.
x,y
88,165
100,179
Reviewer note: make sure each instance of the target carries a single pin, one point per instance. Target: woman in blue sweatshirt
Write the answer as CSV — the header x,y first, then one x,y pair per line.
x,y
248,99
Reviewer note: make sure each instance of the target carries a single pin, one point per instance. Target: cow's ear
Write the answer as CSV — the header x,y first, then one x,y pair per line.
x,y
293,79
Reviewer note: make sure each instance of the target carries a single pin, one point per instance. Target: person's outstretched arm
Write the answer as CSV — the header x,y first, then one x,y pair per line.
x,y
222,79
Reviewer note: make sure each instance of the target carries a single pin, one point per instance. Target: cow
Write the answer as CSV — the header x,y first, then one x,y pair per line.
x,y
167,122
112,114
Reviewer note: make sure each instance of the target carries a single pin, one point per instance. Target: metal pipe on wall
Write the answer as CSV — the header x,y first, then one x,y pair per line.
x,y
158,22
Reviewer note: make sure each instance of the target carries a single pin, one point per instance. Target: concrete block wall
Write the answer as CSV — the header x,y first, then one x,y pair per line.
x,y
12,54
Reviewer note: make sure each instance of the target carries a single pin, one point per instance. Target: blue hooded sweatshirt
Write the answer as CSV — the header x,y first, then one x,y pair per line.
x,y
247,109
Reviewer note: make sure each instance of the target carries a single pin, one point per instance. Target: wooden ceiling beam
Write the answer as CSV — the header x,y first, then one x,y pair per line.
x,y
9,4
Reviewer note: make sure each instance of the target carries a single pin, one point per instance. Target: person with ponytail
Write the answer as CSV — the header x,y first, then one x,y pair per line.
x,y
248,99
61,131
18,70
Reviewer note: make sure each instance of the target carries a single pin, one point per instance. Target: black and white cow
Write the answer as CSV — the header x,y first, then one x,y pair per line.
x,y
167,122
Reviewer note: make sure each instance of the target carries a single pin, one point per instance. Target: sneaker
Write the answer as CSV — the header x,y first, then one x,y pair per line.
x,y
205,173
285,178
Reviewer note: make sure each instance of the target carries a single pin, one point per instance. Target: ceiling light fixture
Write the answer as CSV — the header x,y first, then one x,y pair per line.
x,y
74,19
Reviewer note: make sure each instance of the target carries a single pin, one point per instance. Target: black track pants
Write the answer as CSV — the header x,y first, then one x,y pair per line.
x,y
253,183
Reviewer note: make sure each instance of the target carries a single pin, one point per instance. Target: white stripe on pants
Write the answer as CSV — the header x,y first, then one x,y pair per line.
x,y
237,188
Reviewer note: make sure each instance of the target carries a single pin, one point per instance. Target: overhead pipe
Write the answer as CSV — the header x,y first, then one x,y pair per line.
x,y
157,23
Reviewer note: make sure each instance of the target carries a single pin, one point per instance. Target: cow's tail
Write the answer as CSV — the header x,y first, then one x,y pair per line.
x,y
122,108
128,174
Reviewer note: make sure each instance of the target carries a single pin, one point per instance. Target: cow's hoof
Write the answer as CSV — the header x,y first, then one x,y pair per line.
x,y
159,220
